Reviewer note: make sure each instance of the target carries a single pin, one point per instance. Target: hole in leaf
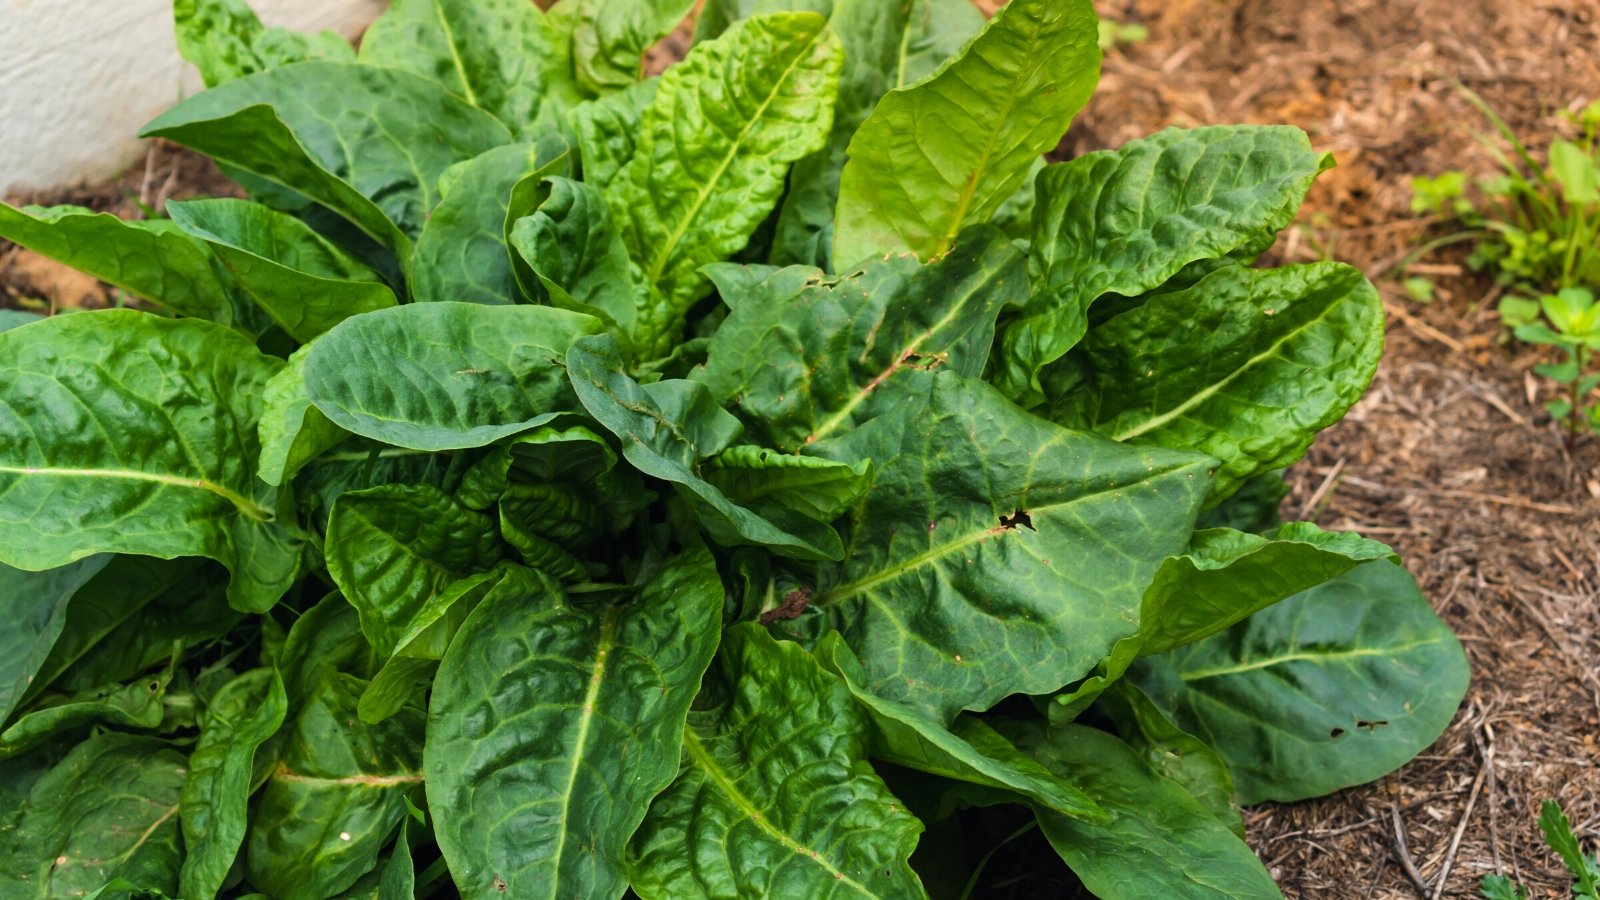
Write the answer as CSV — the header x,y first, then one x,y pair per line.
x,y
1018,517
1373,725
1337,732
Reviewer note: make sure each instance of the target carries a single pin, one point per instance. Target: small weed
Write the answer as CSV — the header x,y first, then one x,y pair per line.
x,y
1558,835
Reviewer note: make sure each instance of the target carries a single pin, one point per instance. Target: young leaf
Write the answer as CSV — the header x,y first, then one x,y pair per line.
x,y
137,705
1577,171
609,38
1558,835
1125,221
777,770
150,259
1246,366
139,434
225,40
108,810
536,702
1160,841
713,148
37,608
819,489
445,376
1336,686
1005,101
306,284
996,553
239,719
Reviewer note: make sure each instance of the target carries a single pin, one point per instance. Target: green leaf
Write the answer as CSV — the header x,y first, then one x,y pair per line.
x,y
291,430
368,142
1246,366
713,149
36,608
240,718
1002,103
573,456
609,38
399,879
1334,687
1224,577
108,810
16,318
461,254
998,554
225,40
1160,841
445,376
1125,221
1172,752
306,284
137,705
1572,311
967,751
776,773
1558,834
1576,171
534,705
150,259
1499,887
608,131
394,550
802,358
666,428
767,481
498,55
330,805
937,30
139,435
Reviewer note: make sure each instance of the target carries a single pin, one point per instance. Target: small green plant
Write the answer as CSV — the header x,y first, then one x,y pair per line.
x,y
1568,320
1558,835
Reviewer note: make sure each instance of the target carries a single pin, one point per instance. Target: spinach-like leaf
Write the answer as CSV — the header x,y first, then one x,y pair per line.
x,y
225,40
38,607
609,38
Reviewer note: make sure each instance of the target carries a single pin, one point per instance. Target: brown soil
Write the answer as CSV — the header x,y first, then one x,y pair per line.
x,y
1450,458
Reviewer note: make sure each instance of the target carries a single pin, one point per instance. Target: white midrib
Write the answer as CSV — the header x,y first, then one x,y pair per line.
x,y
455,55
245,505
597,676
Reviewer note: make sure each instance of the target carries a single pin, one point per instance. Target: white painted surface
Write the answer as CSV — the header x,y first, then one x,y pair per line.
x,y
79,77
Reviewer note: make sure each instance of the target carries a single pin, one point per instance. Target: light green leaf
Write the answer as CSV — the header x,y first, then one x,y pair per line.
x,y
1336,686
1577,171
1125,221
536,701
1160,841
1246,366
1226,576
138,433
108,810
461,254
306,284
608,131
334,799
713,149
802,358
36,609
1007,99
445,376
329,130
225,40
291,430
150,259
240,718
716,15
765,481
666,429
609,38
498,55
998,554
775,797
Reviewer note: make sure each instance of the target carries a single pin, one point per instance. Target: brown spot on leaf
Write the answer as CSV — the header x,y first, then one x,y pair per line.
x,y
794,603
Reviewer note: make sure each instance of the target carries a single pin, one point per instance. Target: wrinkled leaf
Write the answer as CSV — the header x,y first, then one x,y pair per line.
x,y
609,38
225,40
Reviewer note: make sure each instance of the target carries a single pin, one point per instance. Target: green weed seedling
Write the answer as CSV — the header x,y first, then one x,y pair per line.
x,y
1568,320
1558,834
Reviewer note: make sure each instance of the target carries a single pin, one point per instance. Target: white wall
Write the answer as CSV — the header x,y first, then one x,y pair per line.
x,y
79,77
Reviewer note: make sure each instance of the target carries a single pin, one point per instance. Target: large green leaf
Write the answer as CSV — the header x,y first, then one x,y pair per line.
x,y
327,130
609,38
306,284
291,430
996,553
666,429
393,551
138,435
36,608
1224,577
225,40
1246,366
334,799
1002,103
498,55
1172,752
240,718
150,259
1159,842
552,725
1125,221
445,376
713,148
461,254
608,131
1336,686
803,358
775,797
108,810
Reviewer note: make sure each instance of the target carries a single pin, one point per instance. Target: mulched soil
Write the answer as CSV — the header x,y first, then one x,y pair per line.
x,y
1450,458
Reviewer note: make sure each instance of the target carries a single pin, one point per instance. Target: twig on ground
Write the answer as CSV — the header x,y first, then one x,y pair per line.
x,y
1403,853
1315,500
1442,881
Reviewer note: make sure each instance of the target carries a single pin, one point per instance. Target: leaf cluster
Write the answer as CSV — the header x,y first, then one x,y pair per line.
x,y
557,482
